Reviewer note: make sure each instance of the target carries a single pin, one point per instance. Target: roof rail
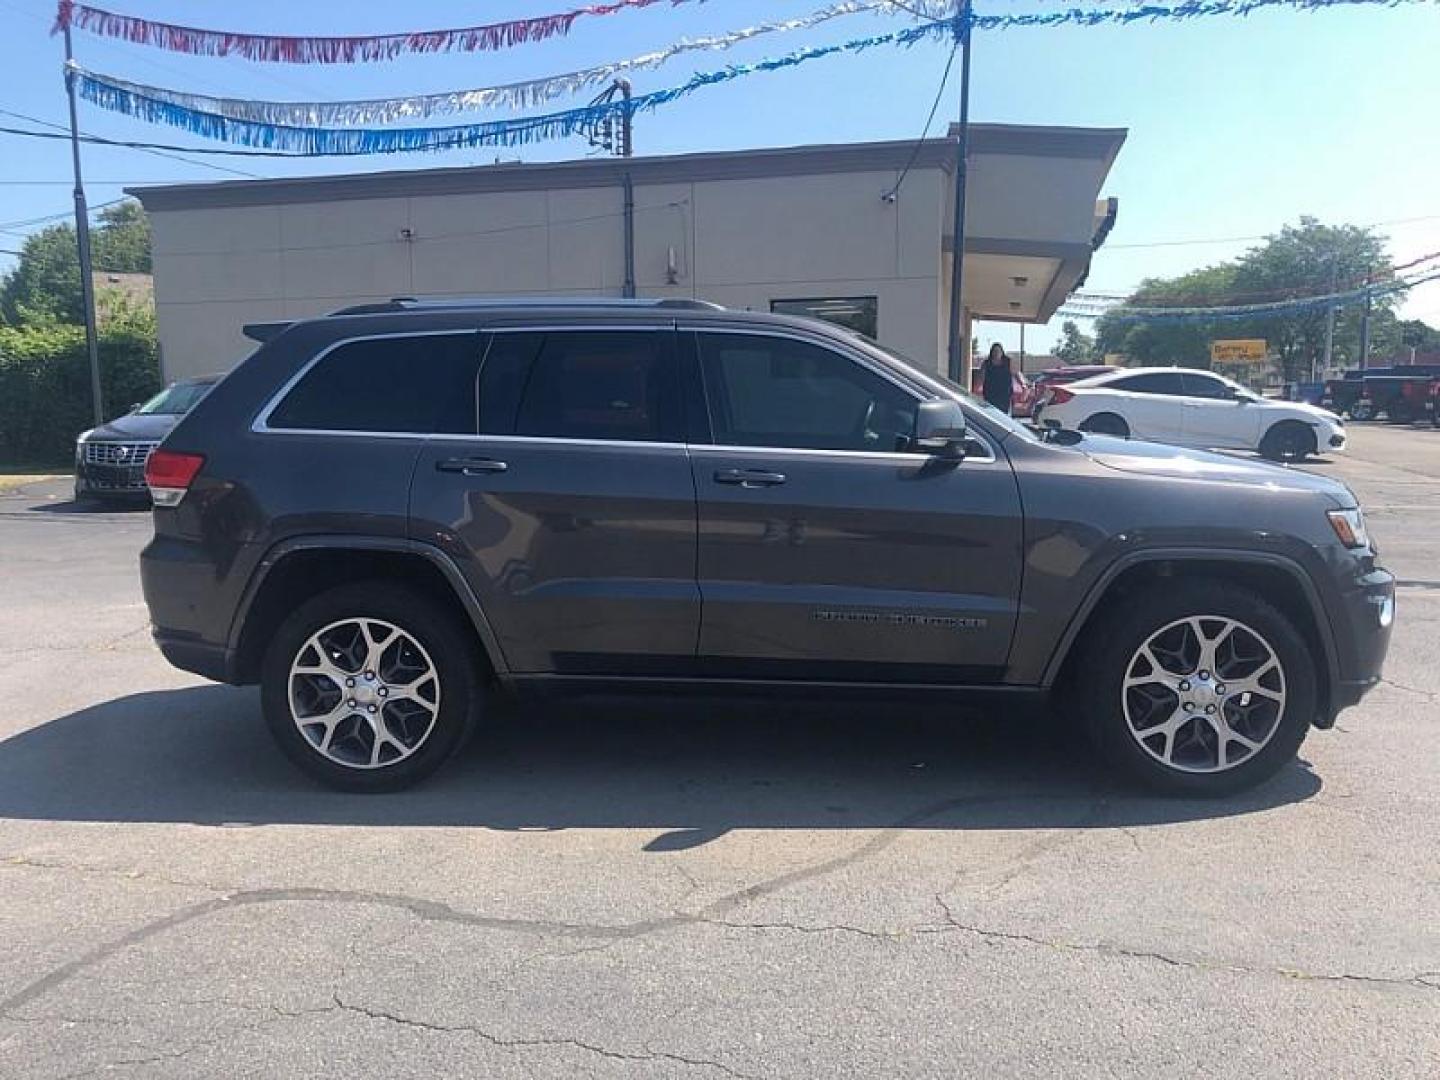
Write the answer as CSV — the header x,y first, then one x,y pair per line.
x,y
420,303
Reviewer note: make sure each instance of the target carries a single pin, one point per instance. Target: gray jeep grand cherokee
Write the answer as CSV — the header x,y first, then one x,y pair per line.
x,y
388,515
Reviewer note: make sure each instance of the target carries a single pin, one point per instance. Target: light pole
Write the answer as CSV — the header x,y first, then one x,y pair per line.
x,y
958,354
82,241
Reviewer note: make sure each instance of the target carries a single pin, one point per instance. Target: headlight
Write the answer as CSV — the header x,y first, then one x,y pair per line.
x,y
1349,526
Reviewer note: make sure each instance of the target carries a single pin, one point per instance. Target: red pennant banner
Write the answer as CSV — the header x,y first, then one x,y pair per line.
x,y
330,50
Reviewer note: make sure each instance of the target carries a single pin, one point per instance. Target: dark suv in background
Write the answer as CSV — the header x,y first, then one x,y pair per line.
x,y
385,516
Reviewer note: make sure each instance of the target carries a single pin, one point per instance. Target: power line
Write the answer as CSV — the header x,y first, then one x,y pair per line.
x,y
889,196
156,150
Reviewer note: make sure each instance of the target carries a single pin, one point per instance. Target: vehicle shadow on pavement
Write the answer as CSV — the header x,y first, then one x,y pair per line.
x,y
695,769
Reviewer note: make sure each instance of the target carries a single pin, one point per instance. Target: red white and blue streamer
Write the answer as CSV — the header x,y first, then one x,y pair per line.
x,y
516,95
287,49
322,141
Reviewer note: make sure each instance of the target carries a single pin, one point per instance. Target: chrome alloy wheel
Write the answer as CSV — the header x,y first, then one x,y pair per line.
x,y
1203,694
364,693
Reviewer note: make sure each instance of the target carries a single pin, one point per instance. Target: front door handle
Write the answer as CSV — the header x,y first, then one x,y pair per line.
x,y
470,466
750,478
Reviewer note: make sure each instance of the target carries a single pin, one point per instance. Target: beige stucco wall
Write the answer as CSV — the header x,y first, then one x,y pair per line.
x,y
739,242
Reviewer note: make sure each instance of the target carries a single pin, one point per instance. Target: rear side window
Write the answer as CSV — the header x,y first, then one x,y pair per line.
x,y
1154,382
417,384
784,393
582,384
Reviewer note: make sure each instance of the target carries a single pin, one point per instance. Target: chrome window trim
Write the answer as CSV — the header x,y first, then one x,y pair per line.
x,y
261,424
886,457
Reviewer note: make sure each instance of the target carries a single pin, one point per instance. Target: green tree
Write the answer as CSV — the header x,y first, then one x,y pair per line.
x,y
1310,259
45,285
1161,342
1076,347
122,241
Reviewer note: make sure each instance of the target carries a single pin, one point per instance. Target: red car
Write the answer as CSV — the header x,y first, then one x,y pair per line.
x,y
1022,391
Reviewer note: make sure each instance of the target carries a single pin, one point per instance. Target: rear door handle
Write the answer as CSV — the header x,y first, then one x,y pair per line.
x,y
470,466
751,478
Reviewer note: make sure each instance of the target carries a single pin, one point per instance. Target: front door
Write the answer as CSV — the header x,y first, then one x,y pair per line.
x,y
829,551
1214,417
568,502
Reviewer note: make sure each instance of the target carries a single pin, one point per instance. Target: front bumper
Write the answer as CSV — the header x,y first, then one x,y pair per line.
x,y
128,480
1362,638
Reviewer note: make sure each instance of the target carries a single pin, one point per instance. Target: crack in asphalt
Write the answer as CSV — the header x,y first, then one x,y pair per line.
x,y
1421,981
537,1042
435,911
1428,694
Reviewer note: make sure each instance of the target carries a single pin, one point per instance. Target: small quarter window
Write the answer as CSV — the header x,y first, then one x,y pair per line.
x,y
389,384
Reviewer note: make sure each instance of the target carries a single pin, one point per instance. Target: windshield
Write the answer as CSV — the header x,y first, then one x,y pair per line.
x,y
992,414
175,400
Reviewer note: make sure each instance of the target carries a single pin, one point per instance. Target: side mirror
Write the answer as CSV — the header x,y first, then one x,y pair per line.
x,y
135,406
940,428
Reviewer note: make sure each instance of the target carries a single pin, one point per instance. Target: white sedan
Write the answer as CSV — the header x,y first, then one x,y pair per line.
x,y
1190,408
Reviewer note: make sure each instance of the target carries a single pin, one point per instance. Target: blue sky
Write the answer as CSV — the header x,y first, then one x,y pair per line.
x,y
1236,125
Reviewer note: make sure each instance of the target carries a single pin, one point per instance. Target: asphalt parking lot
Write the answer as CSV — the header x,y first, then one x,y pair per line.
x,y
673,891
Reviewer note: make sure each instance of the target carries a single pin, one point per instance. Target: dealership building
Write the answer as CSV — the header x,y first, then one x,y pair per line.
x,y
860,233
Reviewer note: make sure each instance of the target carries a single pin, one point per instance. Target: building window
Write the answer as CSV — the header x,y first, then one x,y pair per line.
x,y
860,313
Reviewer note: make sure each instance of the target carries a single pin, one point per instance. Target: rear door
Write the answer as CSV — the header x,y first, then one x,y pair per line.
x,y
563,488
1152,405
829,551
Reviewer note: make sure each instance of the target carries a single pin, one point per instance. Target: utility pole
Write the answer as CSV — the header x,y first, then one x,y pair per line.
x,y
1022,346
1329,326
82,240
1365,325
959,353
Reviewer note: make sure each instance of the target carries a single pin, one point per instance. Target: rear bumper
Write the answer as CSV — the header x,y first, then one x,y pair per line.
x,y
199,657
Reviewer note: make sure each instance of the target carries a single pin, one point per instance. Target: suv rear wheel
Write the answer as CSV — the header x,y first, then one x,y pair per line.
x,y
370,686
1199,688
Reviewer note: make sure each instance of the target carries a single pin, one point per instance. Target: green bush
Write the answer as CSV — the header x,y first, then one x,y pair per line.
x,y
45,384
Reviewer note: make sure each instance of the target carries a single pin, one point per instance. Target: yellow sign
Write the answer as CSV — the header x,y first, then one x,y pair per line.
x,y
1237,351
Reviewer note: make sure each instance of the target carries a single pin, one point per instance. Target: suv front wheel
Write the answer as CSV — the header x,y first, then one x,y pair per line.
x,y
1197,688
370,686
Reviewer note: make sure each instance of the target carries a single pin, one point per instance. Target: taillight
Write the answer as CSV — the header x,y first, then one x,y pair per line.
x,y
168,475
1060,395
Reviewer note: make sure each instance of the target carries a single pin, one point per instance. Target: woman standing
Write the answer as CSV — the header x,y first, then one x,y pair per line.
x,y
997,385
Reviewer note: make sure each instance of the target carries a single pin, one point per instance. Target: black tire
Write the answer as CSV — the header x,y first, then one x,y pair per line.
x,y
438,631
1112,645
1106,423
1289,440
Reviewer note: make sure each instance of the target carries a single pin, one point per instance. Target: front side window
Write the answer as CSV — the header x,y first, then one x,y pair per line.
x,y
582,384
413,384
1207,386
780,392
1167,383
